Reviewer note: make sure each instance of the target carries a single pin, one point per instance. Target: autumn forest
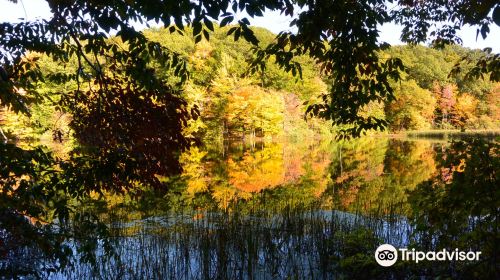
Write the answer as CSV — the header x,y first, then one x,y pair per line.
x,y
235,104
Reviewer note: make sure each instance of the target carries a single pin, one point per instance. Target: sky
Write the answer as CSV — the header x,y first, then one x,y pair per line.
x,y
11,12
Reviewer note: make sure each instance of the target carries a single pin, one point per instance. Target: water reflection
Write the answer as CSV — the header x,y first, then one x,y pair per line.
x,y
314,210
374,175
244,169
356,176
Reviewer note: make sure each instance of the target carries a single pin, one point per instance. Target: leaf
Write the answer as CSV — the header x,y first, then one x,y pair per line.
x,y
197,39
485,29
225,21
496,15
232,30
237,34
196,28
209,24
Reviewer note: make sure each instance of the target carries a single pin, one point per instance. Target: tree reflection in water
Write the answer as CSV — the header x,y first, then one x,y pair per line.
x,y
459,208
285,210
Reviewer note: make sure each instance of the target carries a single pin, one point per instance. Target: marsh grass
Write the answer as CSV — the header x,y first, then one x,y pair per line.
x,y
294,243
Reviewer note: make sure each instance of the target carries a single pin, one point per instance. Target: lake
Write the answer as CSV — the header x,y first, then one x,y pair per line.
x,y
307,209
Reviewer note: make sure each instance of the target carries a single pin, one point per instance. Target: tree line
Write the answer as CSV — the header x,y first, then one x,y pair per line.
x,y
234,103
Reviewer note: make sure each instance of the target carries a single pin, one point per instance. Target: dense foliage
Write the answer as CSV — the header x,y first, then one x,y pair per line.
x,y
230,103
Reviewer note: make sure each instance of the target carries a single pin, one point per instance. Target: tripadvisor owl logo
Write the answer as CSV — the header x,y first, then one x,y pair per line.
x,y
386,255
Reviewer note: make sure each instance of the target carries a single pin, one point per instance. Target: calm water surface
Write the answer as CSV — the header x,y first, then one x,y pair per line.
x,y
303,210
